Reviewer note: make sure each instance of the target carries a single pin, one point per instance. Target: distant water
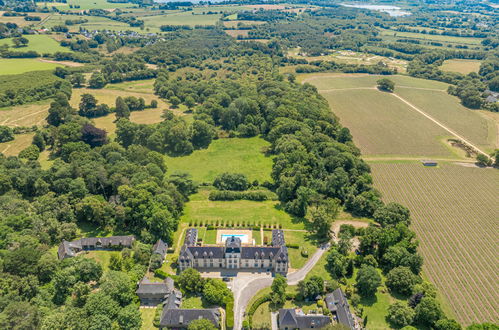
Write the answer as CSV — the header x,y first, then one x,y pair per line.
x,y
390,10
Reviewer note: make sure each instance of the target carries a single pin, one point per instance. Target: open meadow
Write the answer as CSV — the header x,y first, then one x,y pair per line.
x,y
432,37
37,42
461,66
454,213
20,142
21,65
240,155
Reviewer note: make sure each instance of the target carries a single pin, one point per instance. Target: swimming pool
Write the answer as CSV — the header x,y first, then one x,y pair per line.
x,y
243,237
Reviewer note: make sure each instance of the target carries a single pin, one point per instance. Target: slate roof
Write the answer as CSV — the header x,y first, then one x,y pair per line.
x,y
149,290
278,238
180,318
259,252
160,248
337,303
233,244
174,300
69,249
191,237
200,252
289,318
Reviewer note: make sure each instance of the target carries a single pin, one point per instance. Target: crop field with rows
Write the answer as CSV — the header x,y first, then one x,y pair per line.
x,y
454,213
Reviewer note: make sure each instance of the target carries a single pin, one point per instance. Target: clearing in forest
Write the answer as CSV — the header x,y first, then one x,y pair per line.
x,y
236,155
454,213
461,66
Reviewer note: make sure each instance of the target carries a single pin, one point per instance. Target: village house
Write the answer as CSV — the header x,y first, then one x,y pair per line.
x,y
290,319
234,255
172,316
337,303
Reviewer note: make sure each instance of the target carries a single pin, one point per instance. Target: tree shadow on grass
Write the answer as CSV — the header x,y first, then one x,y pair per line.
x,y
368,301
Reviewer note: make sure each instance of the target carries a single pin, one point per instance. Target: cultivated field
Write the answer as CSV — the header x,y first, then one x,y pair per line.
x,y
447,109
38,42
461,66
21,65
20,21
383,125
94,23
226,155
455,212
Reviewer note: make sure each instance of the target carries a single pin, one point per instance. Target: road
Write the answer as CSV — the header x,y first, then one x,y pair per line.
x,y
245,286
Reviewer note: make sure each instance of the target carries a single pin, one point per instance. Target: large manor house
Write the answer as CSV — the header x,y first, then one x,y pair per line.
x,y
235,255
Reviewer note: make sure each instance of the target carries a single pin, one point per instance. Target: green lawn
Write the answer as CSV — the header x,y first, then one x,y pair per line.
x,y
210,236
261,318
240,155
200,210
304,241
39,43
21,65
102,257
436,37
257,237
192,302
147,315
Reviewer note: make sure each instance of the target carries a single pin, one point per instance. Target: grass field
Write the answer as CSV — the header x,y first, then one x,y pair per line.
x,y
89,4
147,315
304,241
94,23
21,65
25,115
200,210
38,42
20,21
455,212
350,57
226,155
20,142
461,66
430,37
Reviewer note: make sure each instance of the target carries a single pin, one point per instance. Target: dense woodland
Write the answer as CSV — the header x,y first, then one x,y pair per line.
x,y
233,89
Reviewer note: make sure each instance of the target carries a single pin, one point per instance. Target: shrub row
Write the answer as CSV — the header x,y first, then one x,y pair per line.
x,y
227,195
216,224
254,307
229,315
160,274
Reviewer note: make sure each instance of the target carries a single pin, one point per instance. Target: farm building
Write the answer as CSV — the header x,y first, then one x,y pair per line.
x,y
71,249
429,163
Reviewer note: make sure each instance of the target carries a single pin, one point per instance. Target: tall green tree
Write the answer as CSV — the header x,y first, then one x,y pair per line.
x,y
367,281
278,294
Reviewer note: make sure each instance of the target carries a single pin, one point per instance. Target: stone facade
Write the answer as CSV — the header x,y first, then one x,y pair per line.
x,y
234,255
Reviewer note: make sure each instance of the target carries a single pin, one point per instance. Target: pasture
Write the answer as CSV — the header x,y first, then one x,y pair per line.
x,y
240,155
461,66
91,4
20,21
37,42
94,23
14,147
351,57
21,65
25,115
454,213
432,37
